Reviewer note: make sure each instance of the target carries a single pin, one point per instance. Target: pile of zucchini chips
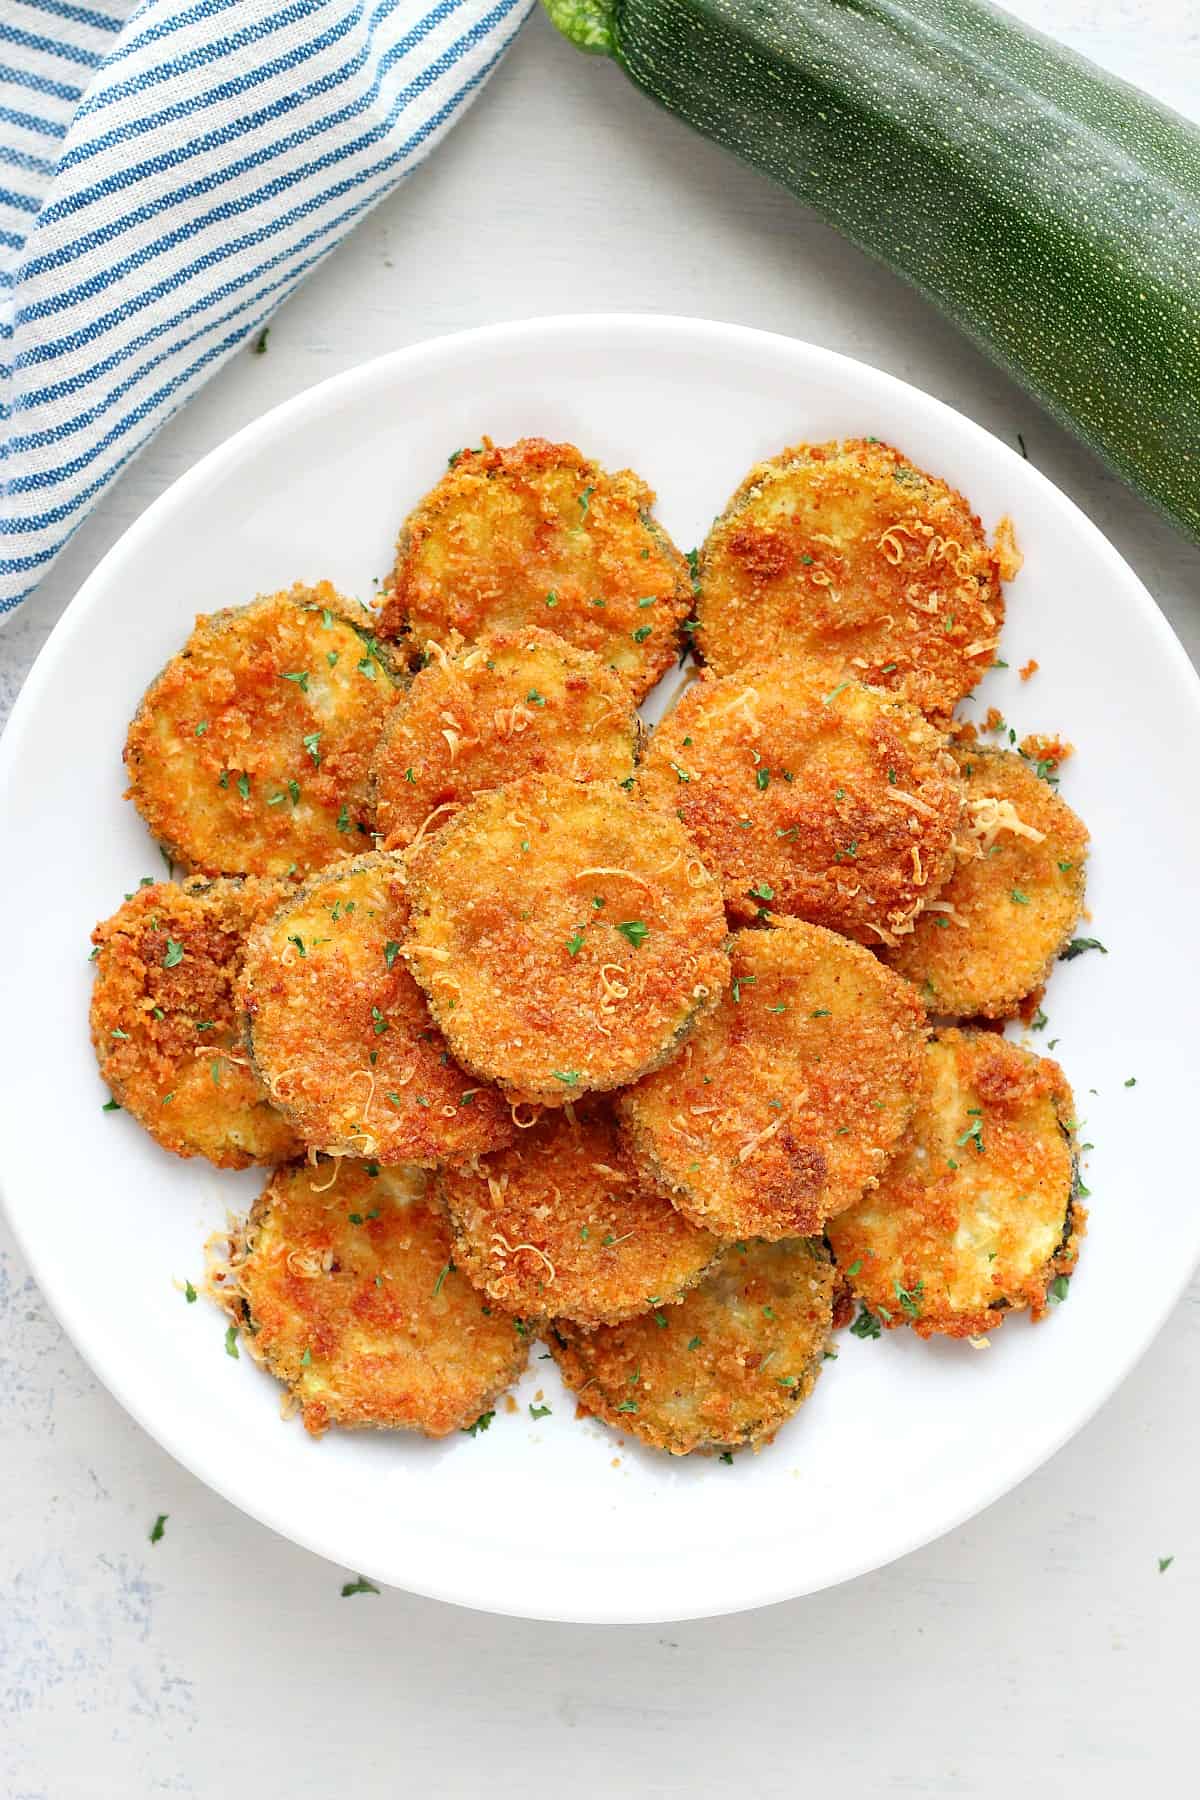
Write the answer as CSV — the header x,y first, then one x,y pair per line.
x,y
673,1050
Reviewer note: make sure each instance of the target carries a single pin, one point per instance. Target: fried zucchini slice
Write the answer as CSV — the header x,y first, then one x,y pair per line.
x,y
165,1027
512,704
344,1288
839,806
847,554
975,1216
567,937
723,1369
990,938
787,1101
535,533
563,1222
341,1036
250,754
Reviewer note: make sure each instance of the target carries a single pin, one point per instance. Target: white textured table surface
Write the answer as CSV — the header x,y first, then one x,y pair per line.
x,y
1040,1648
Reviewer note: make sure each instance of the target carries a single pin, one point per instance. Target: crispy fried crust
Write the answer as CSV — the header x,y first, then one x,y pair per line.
x,y
563,1222
846,554
991,936
974,1217
567,937
512,704
535,533
250,753
838,806
164,1024
340,1032
723,1369
786,1102
346,1291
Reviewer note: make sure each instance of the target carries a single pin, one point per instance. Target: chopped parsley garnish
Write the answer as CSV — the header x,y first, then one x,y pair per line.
x,y
866,1325
726,1456
575,944
158,1529
849,854
294,791
300,677
1077,946
343,819
1039,1021
739,982
763,778
294,938
539,1412
243,785
391,951
189,1293
231,1348
481,1424
910,1298
306,1359
1164,1563
762,890
568,1077
680,774
1059,1288
380,1023
445,1270
628,1406
1018,898
693,1343
833,693
635,931
533,698
360,1585
312,743
821,1012
1132,1082
551,598
972,1135
642,633
780,1007
585,500
174,955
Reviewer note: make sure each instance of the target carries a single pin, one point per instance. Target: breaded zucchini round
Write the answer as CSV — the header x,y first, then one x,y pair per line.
x,y
838,806
787,1101
250,754
975,1216
567,937
723,1369
340,1033
846,554
563,1222
991,936
165,1026
516,703
347,1292
535,533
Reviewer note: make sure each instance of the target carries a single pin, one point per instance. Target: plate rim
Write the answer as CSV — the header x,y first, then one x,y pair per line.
x,y
507,1597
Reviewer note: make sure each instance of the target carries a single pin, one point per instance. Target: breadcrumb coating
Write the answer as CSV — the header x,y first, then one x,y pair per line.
x,y
787,1101
535,533
975,1216
847,554
165,1027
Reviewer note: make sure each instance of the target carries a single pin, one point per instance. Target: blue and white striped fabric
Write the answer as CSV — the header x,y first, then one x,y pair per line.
x,y
168,173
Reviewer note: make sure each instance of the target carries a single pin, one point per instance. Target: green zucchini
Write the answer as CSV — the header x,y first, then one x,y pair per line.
x,y
1050,210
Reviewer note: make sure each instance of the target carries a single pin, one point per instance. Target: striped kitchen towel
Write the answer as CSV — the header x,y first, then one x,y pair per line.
x,y
168,173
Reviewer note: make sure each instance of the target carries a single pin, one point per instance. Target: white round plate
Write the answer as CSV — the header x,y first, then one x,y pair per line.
x,y
558,1518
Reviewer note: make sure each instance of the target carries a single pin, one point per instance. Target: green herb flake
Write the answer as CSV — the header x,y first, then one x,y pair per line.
x,y
1164,1563
189,1293
552,598
380,1023
628,1406
175,954
243,785
231,1348
763,779
762,890
360,1585
1059,1288
1132,1082
481,1424
575,944
1077,946
585,500
910,1298
568,1077
694,1343
833,693
726,1456
158,1529
312,743
866,1325
391,951
446,1269
299,676
642,633
634,931
1018,898
539,1412
533,698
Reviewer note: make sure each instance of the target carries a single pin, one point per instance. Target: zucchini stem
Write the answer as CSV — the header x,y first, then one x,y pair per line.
x,y
587,23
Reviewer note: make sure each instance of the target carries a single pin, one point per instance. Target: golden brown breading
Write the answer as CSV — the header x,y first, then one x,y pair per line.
x,y
568,937
535,533
340,1032
723,1369
521,703
563,1222
787,1101
974,1217
992,934
345,1289
836,805
846,554
250,753
164,1024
